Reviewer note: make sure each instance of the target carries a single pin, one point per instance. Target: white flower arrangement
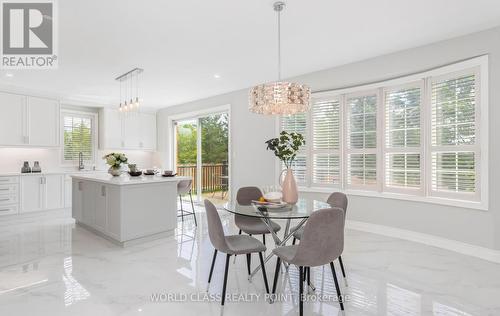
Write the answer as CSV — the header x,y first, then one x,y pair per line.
x,y
115,160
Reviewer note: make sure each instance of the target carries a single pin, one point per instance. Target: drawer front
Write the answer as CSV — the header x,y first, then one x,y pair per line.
x,y
8,189
8,199
9,180
8,210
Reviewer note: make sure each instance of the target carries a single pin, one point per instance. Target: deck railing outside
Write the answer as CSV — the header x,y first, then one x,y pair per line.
x,y
212,176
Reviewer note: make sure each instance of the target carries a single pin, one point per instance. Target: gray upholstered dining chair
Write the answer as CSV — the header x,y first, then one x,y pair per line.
x,y
251,225
322,242
230,245
184,187
336,199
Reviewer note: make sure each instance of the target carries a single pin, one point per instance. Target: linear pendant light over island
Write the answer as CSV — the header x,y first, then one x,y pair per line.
x,y
280,97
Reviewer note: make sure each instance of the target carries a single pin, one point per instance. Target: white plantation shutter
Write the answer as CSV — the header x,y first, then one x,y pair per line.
x,y
296,123
454,147
78,137
362,141
402,152
326,142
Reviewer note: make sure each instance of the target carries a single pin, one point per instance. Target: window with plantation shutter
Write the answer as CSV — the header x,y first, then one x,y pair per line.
x,y
296,123
422,137
454,148
402,150
326,142
362,141
78,136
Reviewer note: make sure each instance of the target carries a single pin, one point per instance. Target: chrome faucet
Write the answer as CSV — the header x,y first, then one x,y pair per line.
x,y
80,161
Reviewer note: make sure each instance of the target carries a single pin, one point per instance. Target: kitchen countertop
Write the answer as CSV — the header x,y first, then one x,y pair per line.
x,y
125,179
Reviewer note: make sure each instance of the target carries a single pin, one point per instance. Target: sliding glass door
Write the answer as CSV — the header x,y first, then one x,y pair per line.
x,y
202,153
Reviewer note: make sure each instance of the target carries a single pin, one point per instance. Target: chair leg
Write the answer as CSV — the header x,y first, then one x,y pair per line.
x,y
264,274
212,267
294,240
264,239
239,232
192,208
308,276
249,261
276,274
301,291
343,270
225,280
182,210
339,295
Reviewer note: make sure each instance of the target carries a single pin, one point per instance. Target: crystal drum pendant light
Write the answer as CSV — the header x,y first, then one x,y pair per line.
x,y
280,97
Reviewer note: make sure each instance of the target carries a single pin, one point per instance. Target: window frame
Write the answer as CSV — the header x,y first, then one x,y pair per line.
x,y
480,64
95,129
311,151
420,150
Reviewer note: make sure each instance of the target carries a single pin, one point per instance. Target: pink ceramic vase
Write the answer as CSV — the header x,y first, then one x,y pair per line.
x,y
289,188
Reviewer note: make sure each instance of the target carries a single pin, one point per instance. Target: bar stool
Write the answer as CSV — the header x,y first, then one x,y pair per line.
x,y
183,188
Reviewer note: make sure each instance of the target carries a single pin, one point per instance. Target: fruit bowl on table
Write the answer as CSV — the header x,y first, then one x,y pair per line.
x,y
269,204
135,173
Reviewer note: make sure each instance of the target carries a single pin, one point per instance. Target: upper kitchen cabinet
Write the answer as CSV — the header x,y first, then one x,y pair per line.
x,y
28,121
12,119
43,122
137,131
148,131
110,129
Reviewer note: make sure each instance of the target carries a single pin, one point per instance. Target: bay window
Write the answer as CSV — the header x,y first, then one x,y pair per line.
x,y
416,137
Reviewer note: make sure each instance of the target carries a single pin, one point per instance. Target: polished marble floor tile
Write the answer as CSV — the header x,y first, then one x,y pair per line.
x,y
54,268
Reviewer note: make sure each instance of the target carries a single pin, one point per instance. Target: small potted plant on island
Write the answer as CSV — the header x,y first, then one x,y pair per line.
x,y
286,147
115,161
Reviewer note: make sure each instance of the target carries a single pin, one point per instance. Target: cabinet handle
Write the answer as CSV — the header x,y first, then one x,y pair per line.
x,y
79,186
103,191
4,200
4,189
5,210
4,180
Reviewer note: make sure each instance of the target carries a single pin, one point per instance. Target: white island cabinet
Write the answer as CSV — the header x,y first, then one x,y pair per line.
x,y
126,209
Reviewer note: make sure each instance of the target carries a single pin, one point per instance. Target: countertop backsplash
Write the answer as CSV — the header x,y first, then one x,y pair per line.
x,y
11,159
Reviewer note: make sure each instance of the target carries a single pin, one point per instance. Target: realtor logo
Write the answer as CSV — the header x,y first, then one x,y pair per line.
x,y
28,35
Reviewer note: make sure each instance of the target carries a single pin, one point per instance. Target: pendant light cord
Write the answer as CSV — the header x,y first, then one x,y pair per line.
x,y
279,45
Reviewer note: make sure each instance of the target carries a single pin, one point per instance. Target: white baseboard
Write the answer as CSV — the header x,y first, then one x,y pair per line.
x,y
453,245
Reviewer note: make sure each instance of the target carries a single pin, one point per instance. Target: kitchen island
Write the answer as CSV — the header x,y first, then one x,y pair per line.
x,y
124,209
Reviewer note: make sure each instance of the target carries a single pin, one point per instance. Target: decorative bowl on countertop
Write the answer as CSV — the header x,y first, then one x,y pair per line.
x,y
135,173
169,175
148,173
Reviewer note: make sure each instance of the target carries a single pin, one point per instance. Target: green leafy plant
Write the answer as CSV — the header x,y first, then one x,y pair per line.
x,y
286,146
115,160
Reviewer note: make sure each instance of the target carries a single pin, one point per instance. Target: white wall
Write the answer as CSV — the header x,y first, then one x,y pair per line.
x,y
253,165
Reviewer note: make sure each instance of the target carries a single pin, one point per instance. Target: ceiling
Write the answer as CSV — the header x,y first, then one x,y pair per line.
x,y
182,44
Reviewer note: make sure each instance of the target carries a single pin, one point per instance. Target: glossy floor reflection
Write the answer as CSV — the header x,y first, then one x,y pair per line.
x,y
55,268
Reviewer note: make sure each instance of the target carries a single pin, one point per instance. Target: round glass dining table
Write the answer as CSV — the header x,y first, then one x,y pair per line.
x,y
300,211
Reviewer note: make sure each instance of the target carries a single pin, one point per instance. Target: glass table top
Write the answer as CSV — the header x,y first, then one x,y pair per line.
x,y
303,209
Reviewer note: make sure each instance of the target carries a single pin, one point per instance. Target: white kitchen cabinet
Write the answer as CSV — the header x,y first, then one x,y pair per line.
x,y
118,131
100,207
31,194
12,119
148,131
110,129
28,121
43,122
53,191
42,192
132,135
77,200
67,192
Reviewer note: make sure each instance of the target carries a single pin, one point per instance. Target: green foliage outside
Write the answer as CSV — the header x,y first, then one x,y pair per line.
x,y
214,140
78,139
